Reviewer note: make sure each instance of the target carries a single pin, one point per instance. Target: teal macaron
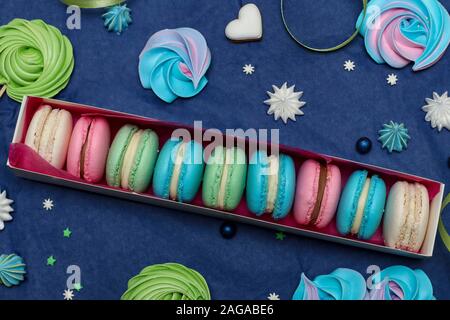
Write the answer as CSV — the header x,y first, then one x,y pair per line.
x,y
179,170
224,178
361,205
131,158
270,184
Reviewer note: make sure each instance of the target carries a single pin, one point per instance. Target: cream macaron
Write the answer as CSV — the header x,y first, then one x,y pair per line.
x,y
406,216
49,134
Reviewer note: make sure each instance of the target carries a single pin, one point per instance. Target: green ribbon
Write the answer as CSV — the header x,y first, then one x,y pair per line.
x,y
339,46
442,232
92,4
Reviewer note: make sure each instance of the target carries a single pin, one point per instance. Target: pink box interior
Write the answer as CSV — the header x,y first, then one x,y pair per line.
x,y
22,157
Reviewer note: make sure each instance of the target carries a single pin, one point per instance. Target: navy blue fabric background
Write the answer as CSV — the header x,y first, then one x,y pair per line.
x,y
114,239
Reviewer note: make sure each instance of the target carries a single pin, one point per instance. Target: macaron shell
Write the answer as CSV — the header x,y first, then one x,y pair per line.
x,y
48,131
55,137
257,183
394,214
36,127
374,208
235,179
191,172
78,139
331,196
422,224
145,159
164,168
237,174
96,151
212,177
349,201
117,153
395,217
306,193
286,187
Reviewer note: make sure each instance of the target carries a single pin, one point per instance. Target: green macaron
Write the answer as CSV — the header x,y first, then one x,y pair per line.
x,y
131,158
224,178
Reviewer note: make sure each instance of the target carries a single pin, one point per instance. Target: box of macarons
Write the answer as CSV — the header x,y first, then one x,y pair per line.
x,y
290,190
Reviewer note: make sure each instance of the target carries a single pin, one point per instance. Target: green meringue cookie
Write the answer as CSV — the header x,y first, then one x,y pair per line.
x,y
169,281
35,59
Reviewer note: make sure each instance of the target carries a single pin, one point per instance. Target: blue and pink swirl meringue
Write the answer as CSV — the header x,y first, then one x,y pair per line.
x,y
173,63
393,283
401,283
341,284
398,32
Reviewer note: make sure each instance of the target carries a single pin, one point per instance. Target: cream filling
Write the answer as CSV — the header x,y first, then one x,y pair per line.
x,y
48,134
40,129
129,159
361,205
51,143
224,180
410,220
405,212
412,243
35,128
174,180
272,188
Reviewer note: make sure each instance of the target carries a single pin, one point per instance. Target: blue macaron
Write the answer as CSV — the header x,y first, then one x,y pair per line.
x,y
361,205
270,184
178,170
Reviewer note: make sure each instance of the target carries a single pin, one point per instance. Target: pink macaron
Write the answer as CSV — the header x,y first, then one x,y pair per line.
x,y
317,195
88,148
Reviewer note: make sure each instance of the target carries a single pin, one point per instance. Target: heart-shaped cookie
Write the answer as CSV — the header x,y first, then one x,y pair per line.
x,y
247,27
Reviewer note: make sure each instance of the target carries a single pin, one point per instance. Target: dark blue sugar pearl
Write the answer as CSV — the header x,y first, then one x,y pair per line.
x,y
363,145
228,230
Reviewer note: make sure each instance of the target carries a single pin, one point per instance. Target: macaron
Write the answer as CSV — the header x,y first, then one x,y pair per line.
x,y
49,134
361,206
406,218
270,184
224,178
88,148
317,195
179,170
132,158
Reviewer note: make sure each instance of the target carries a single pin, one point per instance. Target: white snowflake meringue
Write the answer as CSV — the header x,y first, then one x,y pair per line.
x,y
5,209
47,204
68,294
438,111
248,69
273,296
392,79
284,103
349,65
